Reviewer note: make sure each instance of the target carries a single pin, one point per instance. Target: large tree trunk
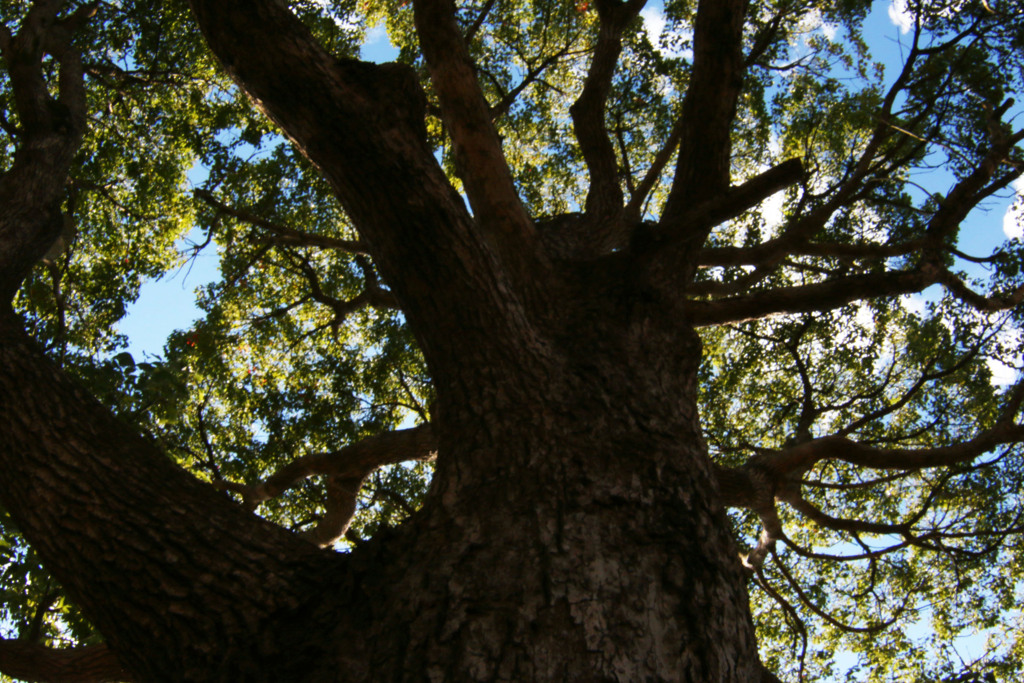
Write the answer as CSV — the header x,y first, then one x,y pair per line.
x,y
574,532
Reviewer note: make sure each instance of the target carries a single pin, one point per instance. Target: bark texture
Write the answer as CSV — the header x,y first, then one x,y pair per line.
x,y
574,531
38,664
183,583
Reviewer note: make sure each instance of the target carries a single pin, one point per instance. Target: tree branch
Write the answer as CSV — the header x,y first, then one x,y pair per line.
x,y
479,21
989,304
372,294
634,209
32,188
702,169
768,253
799,626
806,298
346,469
340,507
673,245
475,142
802,457
145,519
282,234
40,664
806,600
501,107
793,240
604,201
364,126
969,191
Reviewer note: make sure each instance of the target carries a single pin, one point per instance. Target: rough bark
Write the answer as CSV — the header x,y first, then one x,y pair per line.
x,y
182,582
38,664
32,189
573,533
582,535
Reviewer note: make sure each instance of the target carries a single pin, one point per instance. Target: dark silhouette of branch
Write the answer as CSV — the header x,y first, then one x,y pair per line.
x,y
486,176
339,508
345,470
479,21
604,199
638,196
52,121
803,456
716,78
501,107
791,615
807,298
806,600
281,234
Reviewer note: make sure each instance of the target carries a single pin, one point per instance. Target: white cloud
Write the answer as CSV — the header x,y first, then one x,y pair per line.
x,y
1002,374
913,303
654,23
376,34
654,26
901,15
1013,219
771,210
813,22
1005,367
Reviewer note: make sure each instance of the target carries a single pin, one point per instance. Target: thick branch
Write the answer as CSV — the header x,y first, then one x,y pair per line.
x,y
702,169
477,146
804,456
806,298
354,461
346,469
141,531
769,252
674,245
340,507
970,190
801,504
40,664
837,292
793,240
32,188
604,198
750,486
988,304
734,201
363,126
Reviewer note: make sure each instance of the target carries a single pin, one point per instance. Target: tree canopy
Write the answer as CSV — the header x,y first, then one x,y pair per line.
x,y
755,170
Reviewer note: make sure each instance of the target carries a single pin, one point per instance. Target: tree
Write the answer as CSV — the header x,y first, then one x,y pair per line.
x,y
530,261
